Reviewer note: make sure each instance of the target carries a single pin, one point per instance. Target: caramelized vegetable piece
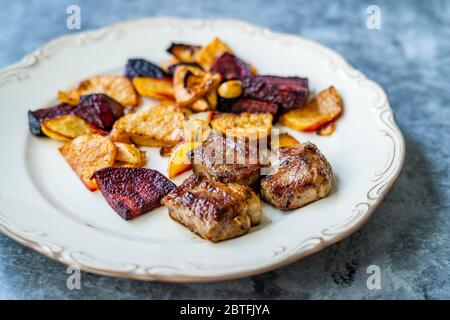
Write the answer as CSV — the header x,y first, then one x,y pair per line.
x,y
231,67
118,88
191,84
208,54
128,153
132,192
143,68
87,154
289,92
328,129
283,140
166,151
123,164
99,110
248,125
184,52
171,68
65,128
36,117
230,89
179,161
160,126
323,108
249,105
154,88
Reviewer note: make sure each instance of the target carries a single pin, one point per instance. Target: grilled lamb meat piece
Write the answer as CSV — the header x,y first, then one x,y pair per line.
x,y
132,192
227,160
303,175
289,92
214,210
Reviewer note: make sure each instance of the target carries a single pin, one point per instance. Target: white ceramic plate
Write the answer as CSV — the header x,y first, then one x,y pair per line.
x,y
44,206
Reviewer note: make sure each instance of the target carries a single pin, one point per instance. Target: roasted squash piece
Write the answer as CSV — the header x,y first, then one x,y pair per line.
x,y
184,52
208,54
87,154
160,126
155,88
66,128
327,129
283,140
179,161
123,164
248,125
230,89
128,153
118,88
190,84
323,108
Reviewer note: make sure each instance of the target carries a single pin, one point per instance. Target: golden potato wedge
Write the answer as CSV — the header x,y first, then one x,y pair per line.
x,y
200,105
128,153
248,125
211,97
142,163
66,128
179,161
323,108
283,140
160,126
116,87
184,52
327,129
208,54
87,154
155,88
190,84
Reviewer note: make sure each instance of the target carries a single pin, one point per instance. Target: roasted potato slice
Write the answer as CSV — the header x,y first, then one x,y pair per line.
x,y
118,88
160,126
184,52
128,153
155,88
166,151
142,163
190,84
208,54
323,108
179,161
248,125
283,140
65,128
87,154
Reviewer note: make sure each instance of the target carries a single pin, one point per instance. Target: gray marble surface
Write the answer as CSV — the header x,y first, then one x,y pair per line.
x,y
409,235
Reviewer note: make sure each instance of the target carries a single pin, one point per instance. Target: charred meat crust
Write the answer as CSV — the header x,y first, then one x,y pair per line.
x,y
132,192
303,175
214,210
227,160
288,92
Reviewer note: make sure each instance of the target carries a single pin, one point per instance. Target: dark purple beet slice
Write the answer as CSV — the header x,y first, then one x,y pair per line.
x,y
249,105
143,68
35,117
231,67
132,192
289,92
99,110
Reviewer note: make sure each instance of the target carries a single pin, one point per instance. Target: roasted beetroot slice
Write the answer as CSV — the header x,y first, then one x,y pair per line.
x,y
35,117
132,192
143,68
289,92
231,67
99,110
249,105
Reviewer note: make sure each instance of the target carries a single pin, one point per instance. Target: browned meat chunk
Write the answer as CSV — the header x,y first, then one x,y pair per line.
x,y
303,175
227,160
132,192
289,92
214,210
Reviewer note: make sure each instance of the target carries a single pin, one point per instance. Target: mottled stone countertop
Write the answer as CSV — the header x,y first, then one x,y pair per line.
x,y
409,235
